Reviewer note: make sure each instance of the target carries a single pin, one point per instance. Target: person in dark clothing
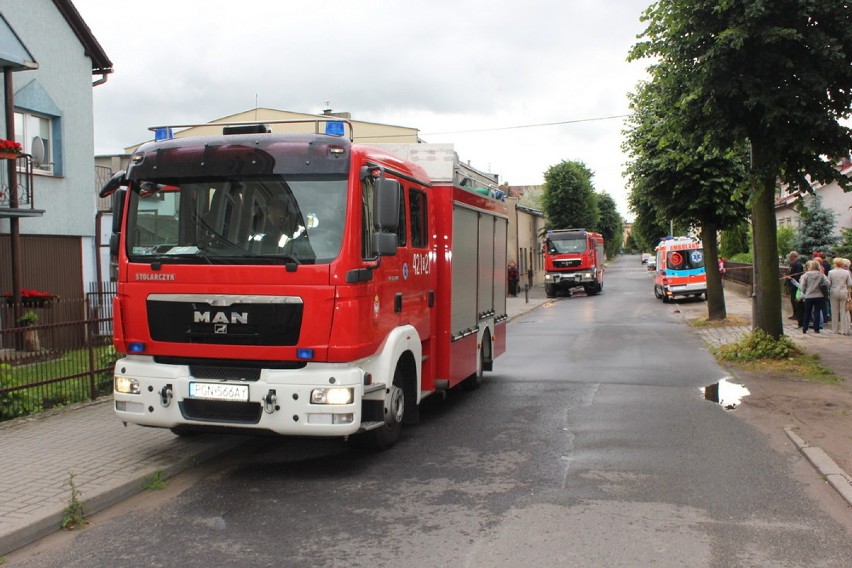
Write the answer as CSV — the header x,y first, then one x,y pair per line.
x,y
514,278
794,272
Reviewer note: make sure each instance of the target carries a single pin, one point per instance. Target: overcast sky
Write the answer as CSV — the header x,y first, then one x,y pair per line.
x,y
461,71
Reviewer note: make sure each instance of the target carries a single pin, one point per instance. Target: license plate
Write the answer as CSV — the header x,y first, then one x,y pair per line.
x,y
219,391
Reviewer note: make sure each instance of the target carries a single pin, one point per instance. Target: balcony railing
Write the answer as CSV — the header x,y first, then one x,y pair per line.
x,y
24,186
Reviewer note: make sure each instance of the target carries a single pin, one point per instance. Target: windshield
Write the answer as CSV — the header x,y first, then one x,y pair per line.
x,y
272,219
566,244
685,259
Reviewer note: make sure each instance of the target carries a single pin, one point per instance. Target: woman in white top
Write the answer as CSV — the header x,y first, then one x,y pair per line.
x,y
839,280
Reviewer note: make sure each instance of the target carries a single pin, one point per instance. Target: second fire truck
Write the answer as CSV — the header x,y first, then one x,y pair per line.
x,y
573,258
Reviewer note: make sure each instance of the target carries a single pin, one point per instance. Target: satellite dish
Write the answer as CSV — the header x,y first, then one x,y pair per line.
x,y
37,150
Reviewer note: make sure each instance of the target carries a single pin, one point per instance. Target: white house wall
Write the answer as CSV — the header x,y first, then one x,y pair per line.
x,y
65,76
833,199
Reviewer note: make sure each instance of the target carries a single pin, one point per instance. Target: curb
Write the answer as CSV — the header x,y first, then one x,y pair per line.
x,y
826,466
821,461
529,307
48,519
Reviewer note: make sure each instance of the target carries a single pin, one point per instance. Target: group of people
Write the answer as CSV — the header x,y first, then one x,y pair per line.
x,y
820,293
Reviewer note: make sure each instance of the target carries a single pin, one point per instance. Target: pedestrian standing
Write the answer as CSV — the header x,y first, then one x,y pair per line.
x,y
514,278
846,266
810,284
794,272
824,267
839,280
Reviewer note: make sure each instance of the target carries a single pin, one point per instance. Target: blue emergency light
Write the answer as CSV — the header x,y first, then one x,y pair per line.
x,y
334,128
163,134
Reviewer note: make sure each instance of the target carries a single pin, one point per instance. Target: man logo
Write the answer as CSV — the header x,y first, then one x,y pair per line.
x,y
220,317
220,328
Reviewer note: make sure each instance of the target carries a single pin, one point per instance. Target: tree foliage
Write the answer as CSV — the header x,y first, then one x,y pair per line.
x,y
735,240
816,232
569,198
610,224
775,74
786,240
683,178
844,249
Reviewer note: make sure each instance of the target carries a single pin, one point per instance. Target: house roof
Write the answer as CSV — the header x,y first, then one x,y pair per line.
x,y
101,64
13,52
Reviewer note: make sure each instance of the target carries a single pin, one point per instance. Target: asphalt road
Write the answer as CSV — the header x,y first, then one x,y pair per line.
x,y
589,445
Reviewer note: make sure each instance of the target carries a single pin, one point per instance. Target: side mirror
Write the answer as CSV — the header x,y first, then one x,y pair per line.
x,y
114,244
386,205
385,244
116,181
118,211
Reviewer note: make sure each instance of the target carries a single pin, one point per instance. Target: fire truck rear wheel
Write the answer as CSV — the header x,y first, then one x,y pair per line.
x,y
474,381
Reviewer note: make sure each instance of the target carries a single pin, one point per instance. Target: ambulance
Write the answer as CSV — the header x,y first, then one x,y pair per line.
x,y
680,269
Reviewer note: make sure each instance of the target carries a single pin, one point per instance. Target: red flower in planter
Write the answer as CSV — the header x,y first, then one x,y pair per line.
x,y
31,296
10,146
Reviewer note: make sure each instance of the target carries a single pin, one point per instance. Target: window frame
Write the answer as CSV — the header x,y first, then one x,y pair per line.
x,y
419,220
23,120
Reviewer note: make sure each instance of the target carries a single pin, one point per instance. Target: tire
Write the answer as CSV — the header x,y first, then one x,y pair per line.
x,y
657,293
388,434
549,290
593,289
474,381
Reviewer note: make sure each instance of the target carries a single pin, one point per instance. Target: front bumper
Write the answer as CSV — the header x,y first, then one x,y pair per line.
x,y
279,401
570,278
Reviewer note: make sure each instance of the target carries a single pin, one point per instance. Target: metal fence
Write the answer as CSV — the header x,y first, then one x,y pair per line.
x,y
55,352
743,273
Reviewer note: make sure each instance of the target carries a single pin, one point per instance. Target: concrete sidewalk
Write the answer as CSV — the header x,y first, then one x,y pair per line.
x,y
109,462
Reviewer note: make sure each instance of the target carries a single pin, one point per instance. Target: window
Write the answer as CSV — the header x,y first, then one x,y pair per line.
x,y
367,227
33,132
400,230
419,219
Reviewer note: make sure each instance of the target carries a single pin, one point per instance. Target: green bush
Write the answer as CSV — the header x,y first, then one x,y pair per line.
x,y
106,361
16,403
760,345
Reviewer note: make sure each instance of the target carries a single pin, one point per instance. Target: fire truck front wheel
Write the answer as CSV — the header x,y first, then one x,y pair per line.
x,y
397,407
550,290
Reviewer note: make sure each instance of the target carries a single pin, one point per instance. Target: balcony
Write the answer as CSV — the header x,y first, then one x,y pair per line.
x,y
18,201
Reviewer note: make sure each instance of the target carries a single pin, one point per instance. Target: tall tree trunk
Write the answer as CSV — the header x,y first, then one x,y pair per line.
x,y
715,295
766,307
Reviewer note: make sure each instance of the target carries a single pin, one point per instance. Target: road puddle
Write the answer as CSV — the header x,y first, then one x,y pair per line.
x,y
726,394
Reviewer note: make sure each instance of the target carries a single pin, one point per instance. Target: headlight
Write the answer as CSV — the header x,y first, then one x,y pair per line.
x,y
548,276
126,385
332,395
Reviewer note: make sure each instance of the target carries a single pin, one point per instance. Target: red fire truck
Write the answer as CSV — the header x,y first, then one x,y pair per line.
x,y
302,284
573,258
